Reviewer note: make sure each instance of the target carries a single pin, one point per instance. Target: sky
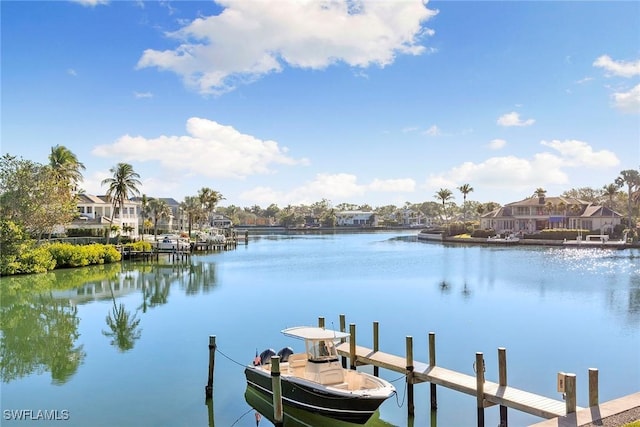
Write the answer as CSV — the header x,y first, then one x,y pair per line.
x,y
291,102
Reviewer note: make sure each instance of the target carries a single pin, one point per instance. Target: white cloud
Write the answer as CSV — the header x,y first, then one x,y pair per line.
x,y
618,68
497,144
579,153
91,3
405,185
252,38
433,131
140,95
209,149
516,173
72,72
337,187
513,119
628,102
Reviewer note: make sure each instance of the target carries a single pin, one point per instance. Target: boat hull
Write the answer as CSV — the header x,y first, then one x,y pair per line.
x,y
351,408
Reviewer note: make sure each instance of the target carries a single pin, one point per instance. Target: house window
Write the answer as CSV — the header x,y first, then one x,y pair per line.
x,y
89,209
522,210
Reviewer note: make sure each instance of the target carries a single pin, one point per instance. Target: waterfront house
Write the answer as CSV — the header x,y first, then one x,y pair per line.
x,y
356,218
539,213
95,214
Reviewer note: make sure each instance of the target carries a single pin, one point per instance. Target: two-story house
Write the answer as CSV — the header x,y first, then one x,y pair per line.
x,y
96,213
539,213
356,218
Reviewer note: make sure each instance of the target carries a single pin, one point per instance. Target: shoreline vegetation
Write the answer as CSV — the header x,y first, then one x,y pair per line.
x,y
63,254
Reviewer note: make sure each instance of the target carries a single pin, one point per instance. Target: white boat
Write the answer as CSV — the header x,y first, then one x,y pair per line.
x,y
597,240
171,242
431,234
509,238
316,381
212,235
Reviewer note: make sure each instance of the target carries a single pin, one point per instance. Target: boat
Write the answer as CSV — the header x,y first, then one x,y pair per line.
x,y
435,234
212,235
598,241
315,380
507,238
170,242
296,417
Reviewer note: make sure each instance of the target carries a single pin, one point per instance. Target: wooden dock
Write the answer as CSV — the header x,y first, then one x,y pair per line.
x,y
487,393
494,394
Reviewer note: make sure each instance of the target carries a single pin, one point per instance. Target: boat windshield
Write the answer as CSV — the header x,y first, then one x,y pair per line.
x,y
321,350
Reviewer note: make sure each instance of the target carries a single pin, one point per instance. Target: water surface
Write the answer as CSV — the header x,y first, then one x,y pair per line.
x,y
126,345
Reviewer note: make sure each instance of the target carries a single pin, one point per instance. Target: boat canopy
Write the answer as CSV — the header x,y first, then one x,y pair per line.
x,y
314,333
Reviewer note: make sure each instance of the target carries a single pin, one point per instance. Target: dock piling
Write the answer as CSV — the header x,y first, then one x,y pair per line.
x,y
593,387
208,390
376,326
276,385
570,390
343,328
410,403
479,367
432,364
502,382
352,345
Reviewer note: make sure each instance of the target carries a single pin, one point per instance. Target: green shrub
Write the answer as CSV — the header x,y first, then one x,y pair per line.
x,y
111,254
37,260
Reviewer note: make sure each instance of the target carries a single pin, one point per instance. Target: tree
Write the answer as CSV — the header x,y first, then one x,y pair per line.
x,y
30,196
192,209
540,192
444,194
610,191
631,178
124,182
465,189
209,199
66,167
159,209
144,210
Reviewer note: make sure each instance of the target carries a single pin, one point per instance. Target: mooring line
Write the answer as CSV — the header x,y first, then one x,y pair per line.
x,y
234,361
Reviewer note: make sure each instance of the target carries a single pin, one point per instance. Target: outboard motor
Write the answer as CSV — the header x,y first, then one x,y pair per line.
x,y
285,353
265,356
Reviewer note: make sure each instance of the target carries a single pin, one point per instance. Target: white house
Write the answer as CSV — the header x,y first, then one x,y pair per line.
x,y
356,218
95,212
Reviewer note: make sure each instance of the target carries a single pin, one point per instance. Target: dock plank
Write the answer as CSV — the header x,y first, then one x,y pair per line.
x,y
494,393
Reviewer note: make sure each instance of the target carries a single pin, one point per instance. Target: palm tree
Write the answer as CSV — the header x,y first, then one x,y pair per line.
x,y
159,209
465,189
631,177
124,182
65,166
445,195
144,210
208,199
192,209
610,190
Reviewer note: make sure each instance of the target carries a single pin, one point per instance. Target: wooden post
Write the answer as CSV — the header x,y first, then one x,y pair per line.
x,y
376,327
502,382
343,328
276,386
410,405
479,366
593,387
352,345
321,322
570,390
432,364
208,390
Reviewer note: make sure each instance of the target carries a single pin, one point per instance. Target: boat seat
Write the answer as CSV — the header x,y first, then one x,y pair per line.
x,y
297,360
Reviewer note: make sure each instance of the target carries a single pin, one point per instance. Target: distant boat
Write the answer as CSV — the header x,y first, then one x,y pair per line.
x,y
171,242
212,235
431,234
508,238
316,381
598,241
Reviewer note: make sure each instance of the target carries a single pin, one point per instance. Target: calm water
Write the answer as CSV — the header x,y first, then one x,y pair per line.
x,y
126,345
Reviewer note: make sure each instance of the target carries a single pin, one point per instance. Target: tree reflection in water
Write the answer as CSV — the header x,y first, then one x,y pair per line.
x,y
38,335
123,325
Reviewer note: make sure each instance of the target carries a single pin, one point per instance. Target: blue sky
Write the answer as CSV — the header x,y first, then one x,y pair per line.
x,y
290,102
